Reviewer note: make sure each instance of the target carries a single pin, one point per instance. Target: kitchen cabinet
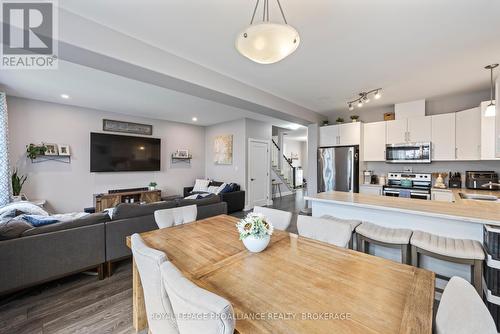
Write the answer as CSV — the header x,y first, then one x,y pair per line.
x,y
396,131
374,141
443,195
340,135
370,189
329,135
417,129
468,134
443,137
487,134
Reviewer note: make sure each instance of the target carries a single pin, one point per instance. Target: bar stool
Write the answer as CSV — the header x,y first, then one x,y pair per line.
x,y
276,187
368,233
353,222
462,251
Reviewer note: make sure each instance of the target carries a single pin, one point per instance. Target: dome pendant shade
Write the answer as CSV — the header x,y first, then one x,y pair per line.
x,y
267,43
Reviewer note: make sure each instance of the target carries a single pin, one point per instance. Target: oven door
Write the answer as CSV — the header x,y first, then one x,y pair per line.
x,y
420,195
408,153
416,194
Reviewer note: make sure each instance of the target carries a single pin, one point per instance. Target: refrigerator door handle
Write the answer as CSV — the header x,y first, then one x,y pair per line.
x,y
351,172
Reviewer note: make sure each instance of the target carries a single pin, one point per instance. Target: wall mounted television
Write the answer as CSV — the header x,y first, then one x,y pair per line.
x,y
117,153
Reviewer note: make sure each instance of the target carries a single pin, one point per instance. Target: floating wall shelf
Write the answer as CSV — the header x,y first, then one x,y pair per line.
x,y
59,158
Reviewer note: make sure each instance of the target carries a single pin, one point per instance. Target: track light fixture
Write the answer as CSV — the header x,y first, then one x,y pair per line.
x,y
364,97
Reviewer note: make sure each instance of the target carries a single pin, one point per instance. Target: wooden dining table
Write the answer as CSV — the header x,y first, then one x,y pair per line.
x,y
296,285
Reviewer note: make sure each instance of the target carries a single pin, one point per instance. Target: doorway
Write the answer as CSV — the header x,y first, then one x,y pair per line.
x,y
259,169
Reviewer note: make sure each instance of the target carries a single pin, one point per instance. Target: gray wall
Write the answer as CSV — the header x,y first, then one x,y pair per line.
x,y
69,187
433,106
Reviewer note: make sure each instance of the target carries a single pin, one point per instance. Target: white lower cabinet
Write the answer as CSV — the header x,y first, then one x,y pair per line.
x,y
443,195
371,189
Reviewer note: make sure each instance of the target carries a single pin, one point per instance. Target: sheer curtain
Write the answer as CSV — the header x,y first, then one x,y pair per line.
x,y
4,152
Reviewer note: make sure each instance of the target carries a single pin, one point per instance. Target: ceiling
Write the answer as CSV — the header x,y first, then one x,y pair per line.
x,y
412,49
105,91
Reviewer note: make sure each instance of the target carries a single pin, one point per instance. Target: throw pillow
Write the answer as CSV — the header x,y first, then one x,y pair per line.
x,y
220,188
201,185
13,229
213,189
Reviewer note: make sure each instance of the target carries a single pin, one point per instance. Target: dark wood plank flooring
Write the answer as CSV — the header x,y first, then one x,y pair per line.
x,y
83,304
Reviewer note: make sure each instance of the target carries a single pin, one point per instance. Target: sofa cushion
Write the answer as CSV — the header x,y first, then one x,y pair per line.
x,y
127,210
92,219
210,199
13,228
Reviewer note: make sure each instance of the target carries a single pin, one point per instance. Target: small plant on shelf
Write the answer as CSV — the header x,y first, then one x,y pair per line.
x,y
340,120
17,183
32,150
354,118
152,185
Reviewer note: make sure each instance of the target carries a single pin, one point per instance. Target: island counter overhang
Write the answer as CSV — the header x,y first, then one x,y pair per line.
x,y
460,219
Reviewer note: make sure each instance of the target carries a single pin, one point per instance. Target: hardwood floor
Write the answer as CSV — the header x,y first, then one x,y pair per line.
x,y
83,304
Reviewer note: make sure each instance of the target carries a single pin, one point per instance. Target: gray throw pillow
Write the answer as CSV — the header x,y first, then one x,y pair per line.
x,y
13,228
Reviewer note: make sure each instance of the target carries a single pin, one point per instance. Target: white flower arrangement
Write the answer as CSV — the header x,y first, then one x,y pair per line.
x,y
254,224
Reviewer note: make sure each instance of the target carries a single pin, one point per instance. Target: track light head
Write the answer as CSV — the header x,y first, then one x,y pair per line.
x,y
351,108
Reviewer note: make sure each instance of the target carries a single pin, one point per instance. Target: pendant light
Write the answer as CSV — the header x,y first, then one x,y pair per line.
x,y
267,42
491,110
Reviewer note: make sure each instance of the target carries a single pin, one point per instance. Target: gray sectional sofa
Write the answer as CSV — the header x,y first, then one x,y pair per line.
x,y
41,254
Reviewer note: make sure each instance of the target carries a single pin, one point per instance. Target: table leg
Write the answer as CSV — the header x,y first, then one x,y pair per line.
x,y
139,310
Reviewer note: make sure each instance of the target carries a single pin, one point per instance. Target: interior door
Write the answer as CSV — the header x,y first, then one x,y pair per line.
x,y
258,173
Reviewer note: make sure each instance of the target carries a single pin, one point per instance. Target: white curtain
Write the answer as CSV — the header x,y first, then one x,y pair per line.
x,y
4,152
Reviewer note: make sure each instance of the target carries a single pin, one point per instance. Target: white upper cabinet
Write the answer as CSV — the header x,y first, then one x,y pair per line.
x,y
340,135
468,134
487,134
329,135
419,129
374,141
350,134
397,131
443,137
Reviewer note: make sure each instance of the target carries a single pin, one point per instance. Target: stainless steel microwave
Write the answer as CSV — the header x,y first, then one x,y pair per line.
x,y
408,153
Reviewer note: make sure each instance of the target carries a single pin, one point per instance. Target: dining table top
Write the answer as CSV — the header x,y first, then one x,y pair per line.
x,y
299,285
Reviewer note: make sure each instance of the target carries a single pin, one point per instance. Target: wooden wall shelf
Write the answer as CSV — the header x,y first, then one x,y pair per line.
x,y
59,158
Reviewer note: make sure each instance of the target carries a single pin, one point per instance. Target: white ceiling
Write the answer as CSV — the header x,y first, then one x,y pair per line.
x,y
413,49
104,91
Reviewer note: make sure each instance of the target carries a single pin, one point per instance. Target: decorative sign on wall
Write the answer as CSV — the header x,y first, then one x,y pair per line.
x,y
127,127
223,149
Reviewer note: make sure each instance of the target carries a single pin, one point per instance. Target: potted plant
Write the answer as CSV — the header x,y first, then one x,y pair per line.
x,y
152,185
340,120
255,232
354,118
17,185
325,123
32,150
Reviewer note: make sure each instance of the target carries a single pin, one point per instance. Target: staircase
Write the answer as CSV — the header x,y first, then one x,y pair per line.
x,y
282,167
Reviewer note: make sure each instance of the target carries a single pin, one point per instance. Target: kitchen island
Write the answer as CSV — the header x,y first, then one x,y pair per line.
x,y
462,218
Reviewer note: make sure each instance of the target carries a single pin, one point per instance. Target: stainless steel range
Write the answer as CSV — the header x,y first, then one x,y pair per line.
x,y
410,185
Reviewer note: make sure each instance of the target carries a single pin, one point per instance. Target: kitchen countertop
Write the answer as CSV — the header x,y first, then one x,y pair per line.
x,y
474,211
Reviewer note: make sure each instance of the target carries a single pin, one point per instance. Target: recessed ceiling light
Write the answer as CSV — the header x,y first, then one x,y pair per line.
x,y
194,119
65,96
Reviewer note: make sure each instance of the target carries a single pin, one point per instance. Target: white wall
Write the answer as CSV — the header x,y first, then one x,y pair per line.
x,y
227,173
70,187
241,130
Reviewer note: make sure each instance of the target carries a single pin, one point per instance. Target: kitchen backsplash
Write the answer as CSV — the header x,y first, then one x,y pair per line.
x,y
382,168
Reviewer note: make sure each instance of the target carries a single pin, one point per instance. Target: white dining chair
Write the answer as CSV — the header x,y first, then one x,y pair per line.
x,y
326,230
161,319
278,218
461,310
176,216
210,314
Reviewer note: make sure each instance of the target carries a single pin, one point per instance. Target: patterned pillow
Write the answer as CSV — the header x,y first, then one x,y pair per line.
x,y
201,185
213,189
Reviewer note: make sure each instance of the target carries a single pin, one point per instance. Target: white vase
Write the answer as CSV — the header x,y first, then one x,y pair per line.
x,y
256,245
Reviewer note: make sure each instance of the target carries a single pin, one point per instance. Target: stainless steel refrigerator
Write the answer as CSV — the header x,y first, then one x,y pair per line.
x,y
338,169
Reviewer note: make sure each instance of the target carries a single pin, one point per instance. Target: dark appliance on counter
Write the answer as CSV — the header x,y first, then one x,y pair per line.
x,y
410,185
408,153
338,169
476,180
455,180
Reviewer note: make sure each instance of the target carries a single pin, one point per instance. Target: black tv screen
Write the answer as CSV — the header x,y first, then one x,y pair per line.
x,y
115,153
